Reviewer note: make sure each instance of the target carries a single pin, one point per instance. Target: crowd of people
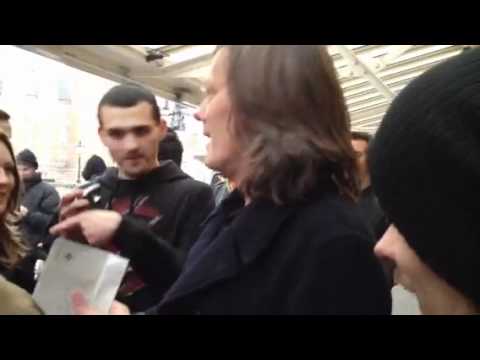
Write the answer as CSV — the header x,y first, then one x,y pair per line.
x,y
303,216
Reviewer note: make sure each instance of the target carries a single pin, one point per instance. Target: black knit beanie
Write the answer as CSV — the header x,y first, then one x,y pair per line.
x,y
425,169
171,148
95,166
27,157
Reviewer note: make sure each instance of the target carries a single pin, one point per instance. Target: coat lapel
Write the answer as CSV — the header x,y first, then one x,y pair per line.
x,y
213,260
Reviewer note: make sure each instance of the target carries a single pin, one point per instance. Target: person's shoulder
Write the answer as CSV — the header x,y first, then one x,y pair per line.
x,y
16,301
330,206
196,190
45,188
189,184
195,185
333,216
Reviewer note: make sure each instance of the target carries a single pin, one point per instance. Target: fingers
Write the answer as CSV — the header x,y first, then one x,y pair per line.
x,y
67,201
70,197
66,225
75,207
80,305
119,309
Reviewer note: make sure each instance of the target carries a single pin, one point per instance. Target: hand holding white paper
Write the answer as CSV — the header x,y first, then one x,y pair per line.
x,y
73,266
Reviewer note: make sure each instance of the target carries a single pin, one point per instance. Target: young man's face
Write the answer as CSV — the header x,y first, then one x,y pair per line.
x,y
26,172
132,136
361,148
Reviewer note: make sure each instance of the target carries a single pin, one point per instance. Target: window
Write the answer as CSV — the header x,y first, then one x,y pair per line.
x,y
33,86
64,92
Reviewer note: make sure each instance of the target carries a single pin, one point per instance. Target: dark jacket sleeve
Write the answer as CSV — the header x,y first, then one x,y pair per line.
x,y
158,262
344,278
154,259
41,218
194,212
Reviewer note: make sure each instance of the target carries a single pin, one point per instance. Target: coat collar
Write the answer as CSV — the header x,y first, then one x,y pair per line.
x,y
221,254
34,180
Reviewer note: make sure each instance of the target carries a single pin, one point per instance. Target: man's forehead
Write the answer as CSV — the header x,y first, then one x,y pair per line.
x,y
115,117
128,125
140,107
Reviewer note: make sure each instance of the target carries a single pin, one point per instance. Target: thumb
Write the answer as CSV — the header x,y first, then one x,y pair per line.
x,y
66,225
69,198
79,304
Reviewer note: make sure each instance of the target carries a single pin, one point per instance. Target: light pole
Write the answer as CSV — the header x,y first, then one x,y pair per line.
x,y
79,149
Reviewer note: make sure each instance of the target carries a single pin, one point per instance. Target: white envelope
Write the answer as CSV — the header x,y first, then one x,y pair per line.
x,y
72,266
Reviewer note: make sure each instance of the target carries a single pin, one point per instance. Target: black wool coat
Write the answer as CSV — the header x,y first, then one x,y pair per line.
x,y
312,258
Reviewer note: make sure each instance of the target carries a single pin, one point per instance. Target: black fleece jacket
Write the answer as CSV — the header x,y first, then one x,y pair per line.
x,y
162,214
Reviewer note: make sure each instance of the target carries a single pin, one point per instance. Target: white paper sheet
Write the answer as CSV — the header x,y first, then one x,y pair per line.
x,y
72,266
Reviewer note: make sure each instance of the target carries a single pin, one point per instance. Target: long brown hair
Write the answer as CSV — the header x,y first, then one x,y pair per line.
x,y
291,120
12,247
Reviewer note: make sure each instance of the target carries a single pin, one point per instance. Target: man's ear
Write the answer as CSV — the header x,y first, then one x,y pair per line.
x,y
101,134
163,129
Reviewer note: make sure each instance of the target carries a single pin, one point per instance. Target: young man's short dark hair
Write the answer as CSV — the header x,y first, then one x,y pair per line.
x,y
359,135
126,96
171,148
4,115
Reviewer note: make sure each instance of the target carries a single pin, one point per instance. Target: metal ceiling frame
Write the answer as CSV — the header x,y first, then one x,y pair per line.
x,y
72,55
370,75
360,67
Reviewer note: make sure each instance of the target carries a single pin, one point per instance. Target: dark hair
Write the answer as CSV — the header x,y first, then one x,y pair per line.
x,y
437,117
126,96
291,119
94,167
170,148
4,115
358,135
27,157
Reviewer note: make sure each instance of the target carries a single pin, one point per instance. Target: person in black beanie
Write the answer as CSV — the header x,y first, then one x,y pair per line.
x,y
39,200
171,148
425,170
94,168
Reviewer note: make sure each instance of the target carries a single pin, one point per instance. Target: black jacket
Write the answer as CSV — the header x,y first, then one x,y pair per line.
x,y
312,258
42,201
23,274
94,167
377,223
373,213
168,205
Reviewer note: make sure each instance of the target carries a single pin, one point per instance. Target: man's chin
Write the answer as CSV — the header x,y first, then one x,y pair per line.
x,y
135,173
131,172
